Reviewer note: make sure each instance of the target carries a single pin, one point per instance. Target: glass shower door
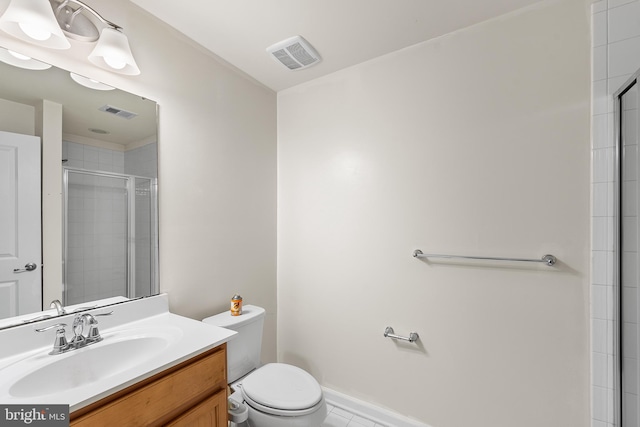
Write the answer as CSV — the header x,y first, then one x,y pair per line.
x,y
628,355
96,236
144,251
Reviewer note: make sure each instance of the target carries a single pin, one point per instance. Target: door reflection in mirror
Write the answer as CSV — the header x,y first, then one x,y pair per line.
x,y
20,251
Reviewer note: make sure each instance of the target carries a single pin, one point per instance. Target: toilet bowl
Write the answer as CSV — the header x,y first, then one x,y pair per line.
x,y
281,395
276,394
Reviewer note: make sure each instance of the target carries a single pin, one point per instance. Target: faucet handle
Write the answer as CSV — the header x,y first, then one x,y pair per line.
x,y
60,345
94,334
89,307
108,313
60,326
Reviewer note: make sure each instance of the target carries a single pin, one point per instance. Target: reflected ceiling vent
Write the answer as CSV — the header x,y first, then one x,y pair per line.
x,y
295,53
118,112
99,131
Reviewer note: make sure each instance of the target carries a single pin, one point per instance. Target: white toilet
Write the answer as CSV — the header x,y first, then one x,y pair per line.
x,y
276,394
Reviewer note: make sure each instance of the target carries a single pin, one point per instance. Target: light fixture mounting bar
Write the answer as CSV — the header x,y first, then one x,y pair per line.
x,y
84,6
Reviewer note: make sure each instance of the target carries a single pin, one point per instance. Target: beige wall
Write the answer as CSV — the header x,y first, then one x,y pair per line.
x,y
476,143
217,164
17,118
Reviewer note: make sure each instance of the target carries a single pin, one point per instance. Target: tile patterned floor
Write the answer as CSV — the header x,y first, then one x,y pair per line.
x,y
338,417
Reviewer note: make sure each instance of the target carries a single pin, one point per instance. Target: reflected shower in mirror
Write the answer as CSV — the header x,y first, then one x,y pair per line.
x,y
109,235
108,155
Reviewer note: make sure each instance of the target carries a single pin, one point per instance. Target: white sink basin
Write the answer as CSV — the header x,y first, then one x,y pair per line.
x,y
140,339
116,353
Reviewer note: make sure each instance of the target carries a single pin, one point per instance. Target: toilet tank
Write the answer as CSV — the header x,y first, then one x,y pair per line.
x,y
243,349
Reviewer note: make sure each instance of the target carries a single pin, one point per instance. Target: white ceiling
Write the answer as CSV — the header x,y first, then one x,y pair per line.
x,y
344,32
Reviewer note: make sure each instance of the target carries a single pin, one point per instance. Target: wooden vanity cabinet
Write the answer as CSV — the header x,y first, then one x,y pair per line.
x,y
193,393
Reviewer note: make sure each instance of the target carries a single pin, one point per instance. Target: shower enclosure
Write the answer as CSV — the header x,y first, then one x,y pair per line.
x,y
109,234
626,347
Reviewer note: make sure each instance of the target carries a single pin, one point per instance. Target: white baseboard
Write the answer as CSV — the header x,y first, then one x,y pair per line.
x,y
369,411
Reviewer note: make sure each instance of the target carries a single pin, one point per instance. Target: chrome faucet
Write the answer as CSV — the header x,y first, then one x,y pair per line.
x,y
61,345
77,327
58,306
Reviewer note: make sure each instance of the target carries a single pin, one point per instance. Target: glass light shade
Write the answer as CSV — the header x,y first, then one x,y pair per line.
x,y
112,52
33,21
21,61
90,83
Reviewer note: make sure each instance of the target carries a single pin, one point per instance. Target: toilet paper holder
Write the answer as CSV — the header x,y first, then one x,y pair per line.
x,y
389,333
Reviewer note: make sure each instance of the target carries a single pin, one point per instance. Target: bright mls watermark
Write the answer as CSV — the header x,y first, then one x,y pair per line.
x,y
34,415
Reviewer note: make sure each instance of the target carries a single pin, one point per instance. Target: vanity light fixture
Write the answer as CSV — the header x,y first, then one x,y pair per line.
x,y
22,61
47,22
112,52
33,21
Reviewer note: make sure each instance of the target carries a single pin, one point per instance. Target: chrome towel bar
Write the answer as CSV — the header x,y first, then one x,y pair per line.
x,y
549,260
388,332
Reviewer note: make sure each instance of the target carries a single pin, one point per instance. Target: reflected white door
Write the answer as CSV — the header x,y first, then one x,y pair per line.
x,y
20,223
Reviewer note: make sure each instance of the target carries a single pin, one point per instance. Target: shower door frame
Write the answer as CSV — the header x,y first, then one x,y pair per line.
x,y
131,243
617,245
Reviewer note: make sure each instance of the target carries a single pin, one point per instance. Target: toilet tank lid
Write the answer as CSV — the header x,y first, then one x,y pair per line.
x,y
250,313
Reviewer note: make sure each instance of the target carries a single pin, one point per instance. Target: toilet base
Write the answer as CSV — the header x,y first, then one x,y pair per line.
x,y
237,412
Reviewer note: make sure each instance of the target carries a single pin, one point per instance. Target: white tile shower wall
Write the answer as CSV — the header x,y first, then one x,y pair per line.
x,y
142,161
96,238
94,260
144,237
92,158
616,56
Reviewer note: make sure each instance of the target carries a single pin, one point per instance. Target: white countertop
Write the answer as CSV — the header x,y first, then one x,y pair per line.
x,y
28,350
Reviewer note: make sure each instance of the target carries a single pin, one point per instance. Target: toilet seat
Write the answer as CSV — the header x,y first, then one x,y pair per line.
x,y
281,389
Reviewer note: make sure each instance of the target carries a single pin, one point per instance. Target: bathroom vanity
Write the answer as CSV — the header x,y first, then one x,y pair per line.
x,y
151,367
192,393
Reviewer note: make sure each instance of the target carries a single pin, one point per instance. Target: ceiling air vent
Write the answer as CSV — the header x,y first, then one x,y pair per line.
x,y
118,112
295,53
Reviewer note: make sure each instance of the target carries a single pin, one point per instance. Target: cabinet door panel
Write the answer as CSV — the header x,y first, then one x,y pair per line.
x,y
209,413
162,399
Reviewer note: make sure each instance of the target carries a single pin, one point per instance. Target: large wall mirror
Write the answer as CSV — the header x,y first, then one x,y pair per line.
x,y
107,164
